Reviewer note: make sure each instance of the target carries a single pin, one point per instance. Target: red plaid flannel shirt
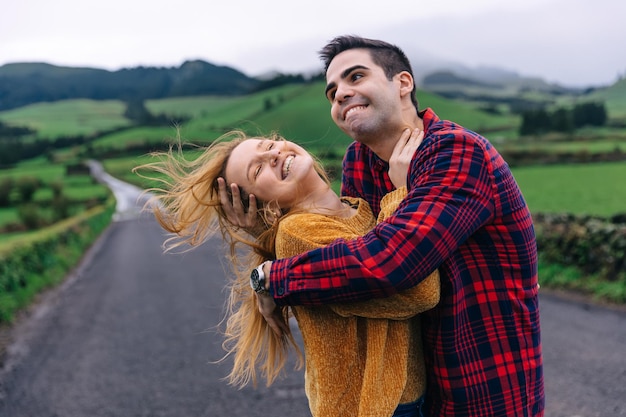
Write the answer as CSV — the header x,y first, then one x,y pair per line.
x,y
465,215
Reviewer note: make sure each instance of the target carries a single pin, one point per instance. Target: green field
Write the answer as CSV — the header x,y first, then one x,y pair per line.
x,y
69,117
596,189
615,99
301,113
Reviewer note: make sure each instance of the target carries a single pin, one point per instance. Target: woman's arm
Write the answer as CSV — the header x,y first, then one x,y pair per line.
x,y
400,306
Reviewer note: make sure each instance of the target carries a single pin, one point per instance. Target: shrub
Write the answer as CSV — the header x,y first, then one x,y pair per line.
x,y
26,187
6,185
30,216
29,267
593,245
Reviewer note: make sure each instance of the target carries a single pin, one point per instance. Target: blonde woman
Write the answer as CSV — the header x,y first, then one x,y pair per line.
x,y
362,359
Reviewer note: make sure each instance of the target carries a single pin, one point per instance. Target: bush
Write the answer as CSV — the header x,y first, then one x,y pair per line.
x,y
60,207
31,266
30,216
6,185
593,245
26,187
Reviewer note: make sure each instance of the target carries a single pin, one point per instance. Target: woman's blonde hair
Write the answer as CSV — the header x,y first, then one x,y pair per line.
x,y
187,205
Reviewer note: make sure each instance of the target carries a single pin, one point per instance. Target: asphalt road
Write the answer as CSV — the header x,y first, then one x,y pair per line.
x,y
133,332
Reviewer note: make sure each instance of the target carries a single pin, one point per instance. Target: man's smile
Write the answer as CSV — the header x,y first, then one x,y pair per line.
x,y
353,109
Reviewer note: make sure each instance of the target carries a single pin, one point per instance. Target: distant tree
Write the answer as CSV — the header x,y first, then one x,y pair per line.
x,y
491,108
60,207
29,215
12,132
137,111
562,120
6,186
57,188
281,79
535,122
26,187
589,114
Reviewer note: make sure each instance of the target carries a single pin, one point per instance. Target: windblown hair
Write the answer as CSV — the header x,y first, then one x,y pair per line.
x,y
387,56
187,205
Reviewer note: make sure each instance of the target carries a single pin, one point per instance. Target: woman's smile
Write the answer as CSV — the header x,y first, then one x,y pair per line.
x,y
287,165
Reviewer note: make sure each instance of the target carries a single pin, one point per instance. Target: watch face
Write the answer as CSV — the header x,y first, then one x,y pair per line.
x,y
254,279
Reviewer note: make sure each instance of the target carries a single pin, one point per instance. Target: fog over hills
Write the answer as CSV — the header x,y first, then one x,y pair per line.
x,y
302,57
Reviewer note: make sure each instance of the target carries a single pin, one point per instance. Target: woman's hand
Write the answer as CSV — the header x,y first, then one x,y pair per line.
x,y
234,208
400,160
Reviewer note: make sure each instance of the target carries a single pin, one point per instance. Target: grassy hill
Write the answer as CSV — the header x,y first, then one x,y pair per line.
x,y
300,113
615,99
297,111
68,117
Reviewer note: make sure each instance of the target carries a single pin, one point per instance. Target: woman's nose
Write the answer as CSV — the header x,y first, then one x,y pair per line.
x,y
272,155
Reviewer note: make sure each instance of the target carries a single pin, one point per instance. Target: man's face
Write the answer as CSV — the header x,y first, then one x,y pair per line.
x,y
364,103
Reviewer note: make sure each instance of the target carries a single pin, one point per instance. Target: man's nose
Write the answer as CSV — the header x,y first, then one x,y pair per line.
x,y
342,93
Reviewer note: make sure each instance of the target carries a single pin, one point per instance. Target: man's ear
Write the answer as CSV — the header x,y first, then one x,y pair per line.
x,y
406,83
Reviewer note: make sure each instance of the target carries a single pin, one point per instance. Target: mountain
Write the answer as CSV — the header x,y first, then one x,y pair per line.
x,y
299,57
459,77
26,83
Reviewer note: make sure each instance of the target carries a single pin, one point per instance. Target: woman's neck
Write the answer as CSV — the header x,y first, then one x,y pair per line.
x,y
327,203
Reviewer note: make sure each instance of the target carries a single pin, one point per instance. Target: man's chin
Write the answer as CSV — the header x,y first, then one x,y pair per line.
x,y
355,130
358,133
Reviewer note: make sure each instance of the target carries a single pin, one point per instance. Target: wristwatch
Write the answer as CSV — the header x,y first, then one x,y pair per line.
x,y
257,279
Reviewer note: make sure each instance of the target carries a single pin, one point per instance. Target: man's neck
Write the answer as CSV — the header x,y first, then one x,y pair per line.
x,y
383,147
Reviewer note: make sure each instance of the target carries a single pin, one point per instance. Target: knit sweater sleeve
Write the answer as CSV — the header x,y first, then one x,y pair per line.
x,y
302,232
404,304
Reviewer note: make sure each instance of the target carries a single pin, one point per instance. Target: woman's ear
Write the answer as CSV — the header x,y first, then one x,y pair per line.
x,y
272,213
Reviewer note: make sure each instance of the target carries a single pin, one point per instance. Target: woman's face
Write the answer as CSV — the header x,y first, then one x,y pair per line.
x,y
279,171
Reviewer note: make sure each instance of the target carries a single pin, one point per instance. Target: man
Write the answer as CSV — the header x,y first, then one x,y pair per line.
x,y
464,214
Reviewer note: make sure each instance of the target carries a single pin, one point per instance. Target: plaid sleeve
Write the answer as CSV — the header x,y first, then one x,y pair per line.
x,y
450,198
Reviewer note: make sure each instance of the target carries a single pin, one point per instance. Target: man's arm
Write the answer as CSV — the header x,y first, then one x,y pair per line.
x,y
450,197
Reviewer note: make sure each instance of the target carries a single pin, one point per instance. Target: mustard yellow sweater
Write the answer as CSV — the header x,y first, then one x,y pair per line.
x,y
362,359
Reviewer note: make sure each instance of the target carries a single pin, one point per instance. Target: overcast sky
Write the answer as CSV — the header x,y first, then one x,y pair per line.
x,y
572,42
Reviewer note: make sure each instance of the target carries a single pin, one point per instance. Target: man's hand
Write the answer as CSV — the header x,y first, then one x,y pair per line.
x,y
400,160
268,308
234,209
272,313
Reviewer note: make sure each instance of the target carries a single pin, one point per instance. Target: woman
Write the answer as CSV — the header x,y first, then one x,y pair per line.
x,y
362,359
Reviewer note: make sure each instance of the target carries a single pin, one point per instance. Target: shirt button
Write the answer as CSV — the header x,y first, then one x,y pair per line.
x,y
281,291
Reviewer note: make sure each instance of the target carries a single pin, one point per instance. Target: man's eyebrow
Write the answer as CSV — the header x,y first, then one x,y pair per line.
x,y
328,88
344,74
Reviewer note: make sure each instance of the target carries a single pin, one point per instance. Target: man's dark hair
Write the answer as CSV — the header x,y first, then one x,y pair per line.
x,y
387,56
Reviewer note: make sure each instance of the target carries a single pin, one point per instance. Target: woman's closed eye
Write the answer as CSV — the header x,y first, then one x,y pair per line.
x,y
269,147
